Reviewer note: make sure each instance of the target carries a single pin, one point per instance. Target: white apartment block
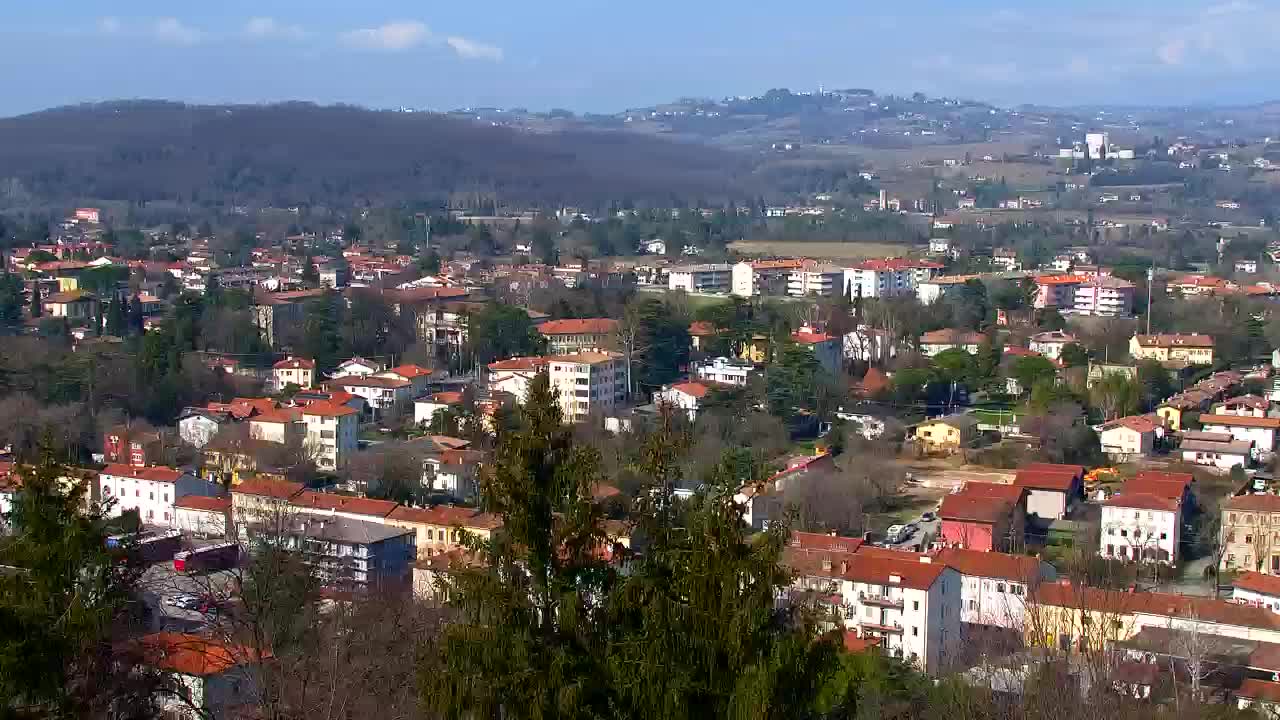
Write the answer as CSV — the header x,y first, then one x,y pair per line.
x,y
909,602
724,371
1141,528
587,382
151,491
995,586
742,280
330,434
824,281
515,375
888,277
1104,296
710,278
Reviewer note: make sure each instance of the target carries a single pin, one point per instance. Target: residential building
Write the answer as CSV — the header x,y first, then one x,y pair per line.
x,y
870,345
936,341
358,366
1143,522
708,278
940,246
74,305
455,473
1217,450
889,277
425,408
150,491
702,334
983,516
1251,533
825,348
262,503
588,382
817,281
1261,431
197,426
417,376
946,434
1050,344
1104,296
381,394
1172,347
1246,266
724,371
683,397
1052,489
1257,589
1129,438
1097,371
281,426
202,516
512,376
1057,291
351,554
1243,405
934,289
994,586
330,434
742,280
350,507
565,337
1005,260
294,371
909,602
442,528
281,310
211,679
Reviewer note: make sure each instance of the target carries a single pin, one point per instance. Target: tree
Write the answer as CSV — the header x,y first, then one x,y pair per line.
x,y
1031,370
1114,395
37,308
501,331
1074,355
11,300
662,342
1156,386
310,273
321,332
955,365
136,320
62,603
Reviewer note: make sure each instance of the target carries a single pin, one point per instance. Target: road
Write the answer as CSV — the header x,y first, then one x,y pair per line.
x,y
160,581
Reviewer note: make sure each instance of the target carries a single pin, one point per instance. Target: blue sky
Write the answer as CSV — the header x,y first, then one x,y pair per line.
x,y
605,56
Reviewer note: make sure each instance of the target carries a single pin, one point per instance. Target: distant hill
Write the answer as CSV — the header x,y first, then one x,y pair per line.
x,y
299,153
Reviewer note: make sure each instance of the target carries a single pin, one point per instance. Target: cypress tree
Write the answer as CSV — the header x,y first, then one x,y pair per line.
x,y
36,308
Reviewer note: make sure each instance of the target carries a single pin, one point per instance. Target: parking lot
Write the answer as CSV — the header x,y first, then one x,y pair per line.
x,y
160,582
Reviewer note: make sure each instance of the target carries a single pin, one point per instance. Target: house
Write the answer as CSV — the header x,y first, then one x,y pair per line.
x,y
202,516
994,586
440,528
1248,535
906,601
262,503
940,246
709,278
1257,589
357,366
570,336
1244,406
425,409
455,473
512,376
1261,431
1143,521
151,491
870,345
300,372
1005,259
946,434
588,382
1246,266
282,426
724,371
826,349
701,333
197,426
1263,693
761,500
1051,488
684,396
1191,349
983,516
936,341
1050,344
382,394
74,305
1097,371
330,434
1215,449
755,350
350,507
417,376
203,676
1129,438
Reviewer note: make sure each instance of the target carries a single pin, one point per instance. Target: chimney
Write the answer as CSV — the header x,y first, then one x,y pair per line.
x,y
844,567
895,579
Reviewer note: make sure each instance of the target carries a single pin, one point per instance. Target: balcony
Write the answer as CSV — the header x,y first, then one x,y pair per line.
x,y
883,601
876,627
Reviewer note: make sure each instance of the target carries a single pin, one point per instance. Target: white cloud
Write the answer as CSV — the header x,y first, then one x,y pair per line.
x,y
109,25
472,50
265,27
393,36
174,32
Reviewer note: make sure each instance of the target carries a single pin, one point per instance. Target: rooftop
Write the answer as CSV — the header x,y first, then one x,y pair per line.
x,y
909,570
154,473
195,655
1257,582
1171,340
345,531
978,563
262,487
1240,421
344,503
580,326
200,502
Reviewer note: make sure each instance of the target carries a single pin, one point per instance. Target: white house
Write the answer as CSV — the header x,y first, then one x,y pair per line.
x,y
908,601
709,278
294,371
357,366
152,491
1051,489
743,280
1050,344
203,516
725,371
203,677
1246,266
197,426
588,382
934,342
515,375
657,246
686,396
382,394
1128,438
1261,431
868,344
1215,449
1257,589
994,586
1142,527
425,408
330,434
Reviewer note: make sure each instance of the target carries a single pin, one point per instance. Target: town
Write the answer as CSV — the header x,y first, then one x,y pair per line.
x,y
984,422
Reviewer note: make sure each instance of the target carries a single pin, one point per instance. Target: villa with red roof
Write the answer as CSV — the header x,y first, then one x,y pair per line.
x,y
1051,488
1143,521
683,396
294,371
825,348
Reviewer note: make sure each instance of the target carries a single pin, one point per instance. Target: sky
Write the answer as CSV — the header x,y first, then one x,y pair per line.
x,y
601,56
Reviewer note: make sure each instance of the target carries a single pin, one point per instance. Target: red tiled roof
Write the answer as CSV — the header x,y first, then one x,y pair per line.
x,y
877,568
1143,501
295,363
448,516
410,371
580,326
1171,340
1046,476
951,336
875,380
262,487
1166,487
154,473
968,508
1255,689
694,389
367,381
279,416
810,338
1022,568
855,644
344,503
449,397
1257,582
194,655
823,541
1262,502
200,502
1208,610
1012,493
1136,423
884,264
328,409
519,363
1240,421
702,328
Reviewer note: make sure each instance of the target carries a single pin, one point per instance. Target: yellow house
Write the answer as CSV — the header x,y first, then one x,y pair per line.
x,y
439,529
68,283
1064,616
1173,347
1172,417
755,350
947,434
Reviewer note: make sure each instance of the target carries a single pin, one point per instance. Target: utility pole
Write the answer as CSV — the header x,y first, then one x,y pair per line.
x,y
1151,279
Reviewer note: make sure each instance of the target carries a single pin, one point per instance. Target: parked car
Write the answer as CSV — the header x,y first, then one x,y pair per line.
x,y
928,516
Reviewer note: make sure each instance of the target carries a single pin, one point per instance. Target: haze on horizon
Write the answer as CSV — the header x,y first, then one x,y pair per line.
x,y
588,57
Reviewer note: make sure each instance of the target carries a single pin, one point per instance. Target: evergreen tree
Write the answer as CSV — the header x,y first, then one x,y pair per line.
x,y
11,300
36,308
310,273
116,318
212,291
136,324
322,331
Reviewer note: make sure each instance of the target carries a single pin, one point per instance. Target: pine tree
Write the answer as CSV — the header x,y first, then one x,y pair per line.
x,y
136,323
37,308
116,318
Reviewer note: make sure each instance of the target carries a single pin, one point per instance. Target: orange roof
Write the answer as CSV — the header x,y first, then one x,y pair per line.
x,y
200,502
823,541
448,516
519,363
262,487
1264,502
1137,423
154,473
1022,568
1143,501
1064,594
581,326
1003,491
884,264
1255,689
877,568
1240,421
694,389
280,416
449,397
1175,340
874,381
1257,582
810,338
344,503
295,363
424,294
410,371
368,381
970,508
1061,280
328,409
1169,487
951,336
702,328
1046,476
196,655
855,644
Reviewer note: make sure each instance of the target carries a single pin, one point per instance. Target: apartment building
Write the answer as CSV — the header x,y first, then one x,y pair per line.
x,y
330,434
588,382
1104,296
994,586
908,602
1261,431
1251,533
1173,347
724,371
294,371
571,336
441,528
708,278
888,277
514,375
152,491
381,394
818,281
1142,523
351,554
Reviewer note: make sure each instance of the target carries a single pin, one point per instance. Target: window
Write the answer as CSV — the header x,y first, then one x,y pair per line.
x,y
1111,531
166,497
166,517
999,587
915,604
431,534
1248,538
106,489
1164,536
915,632
868,612
1124,533
973,604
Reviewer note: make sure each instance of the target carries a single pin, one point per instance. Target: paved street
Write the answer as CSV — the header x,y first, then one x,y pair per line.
x,y
160,582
